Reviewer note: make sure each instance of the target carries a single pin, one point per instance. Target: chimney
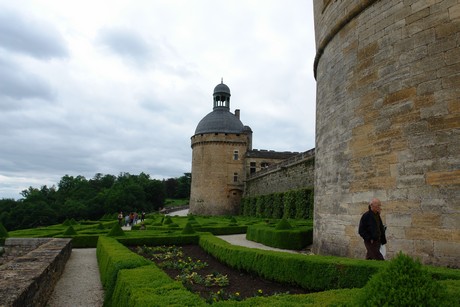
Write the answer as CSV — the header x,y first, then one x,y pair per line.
x,y
237,113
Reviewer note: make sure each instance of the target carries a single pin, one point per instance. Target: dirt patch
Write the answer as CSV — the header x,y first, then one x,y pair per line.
x,y
241,285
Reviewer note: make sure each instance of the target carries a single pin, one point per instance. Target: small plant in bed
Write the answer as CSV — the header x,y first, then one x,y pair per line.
x,y
203,274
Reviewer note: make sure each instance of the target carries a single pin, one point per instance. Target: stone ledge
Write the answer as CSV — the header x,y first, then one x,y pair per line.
x,y
29,279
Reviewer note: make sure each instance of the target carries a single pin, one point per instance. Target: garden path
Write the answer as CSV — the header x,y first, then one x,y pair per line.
x,y
80,284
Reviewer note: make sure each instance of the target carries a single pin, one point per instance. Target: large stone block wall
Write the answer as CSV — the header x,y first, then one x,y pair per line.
x,y
28,279
388,125
292,174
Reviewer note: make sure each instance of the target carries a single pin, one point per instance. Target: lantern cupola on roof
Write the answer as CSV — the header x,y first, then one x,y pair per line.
x,y
220,120
222,95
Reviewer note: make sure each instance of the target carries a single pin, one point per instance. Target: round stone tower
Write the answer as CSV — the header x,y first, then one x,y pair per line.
x,y
219,146
388,125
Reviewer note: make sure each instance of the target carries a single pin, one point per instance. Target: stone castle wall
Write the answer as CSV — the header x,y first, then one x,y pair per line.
x,y
292,174
388,125
213,188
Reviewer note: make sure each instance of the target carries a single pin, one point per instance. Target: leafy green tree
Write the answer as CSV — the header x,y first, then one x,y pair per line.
x,y
183,186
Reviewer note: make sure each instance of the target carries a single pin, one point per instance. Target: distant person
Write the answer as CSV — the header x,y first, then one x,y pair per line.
x,y
142,216
372,230
131,219
127,220
120,218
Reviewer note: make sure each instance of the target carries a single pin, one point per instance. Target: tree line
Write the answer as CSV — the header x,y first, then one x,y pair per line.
x,y
90,199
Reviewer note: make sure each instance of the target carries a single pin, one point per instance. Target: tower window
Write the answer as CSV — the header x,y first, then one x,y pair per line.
x,y
235,177
252,168
235,155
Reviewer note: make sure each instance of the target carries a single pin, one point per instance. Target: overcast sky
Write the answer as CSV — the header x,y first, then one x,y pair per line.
x,y
106,87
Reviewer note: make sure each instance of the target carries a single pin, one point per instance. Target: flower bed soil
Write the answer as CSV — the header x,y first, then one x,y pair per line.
x,y
241,284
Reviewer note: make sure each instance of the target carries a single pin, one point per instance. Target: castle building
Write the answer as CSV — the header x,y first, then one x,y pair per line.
x,y
222,158
388,125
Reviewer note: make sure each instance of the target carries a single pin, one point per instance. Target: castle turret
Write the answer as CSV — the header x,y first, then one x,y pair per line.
x,y
219,146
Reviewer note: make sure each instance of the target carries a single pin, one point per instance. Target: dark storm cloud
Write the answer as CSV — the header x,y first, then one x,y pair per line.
x,y
17,83
27,35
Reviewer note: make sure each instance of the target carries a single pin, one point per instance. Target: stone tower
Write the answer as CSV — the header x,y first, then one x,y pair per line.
x,y
219,146
388,125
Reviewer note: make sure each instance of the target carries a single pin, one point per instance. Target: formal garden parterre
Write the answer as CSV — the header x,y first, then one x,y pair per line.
x,y
130,279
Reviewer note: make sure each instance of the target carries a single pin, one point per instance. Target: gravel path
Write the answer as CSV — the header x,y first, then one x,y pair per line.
x,y
80,284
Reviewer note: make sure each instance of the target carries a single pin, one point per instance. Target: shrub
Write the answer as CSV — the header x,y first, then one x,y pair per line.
x,y
232,222
167,221
100,226
188,229
402,283
246,206
283,225
278,207
84,241
260,206
301,204
284,238
113,257
316,273
268,210
150,286
69,231
3,231
116,231
289,204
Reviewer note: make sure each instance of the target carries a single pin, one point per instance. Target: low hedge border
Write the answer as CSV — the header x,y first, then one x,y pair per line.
x,y
221,230
82,241
342,297
295,239
150,286
316,273
136,284
112,256
180,239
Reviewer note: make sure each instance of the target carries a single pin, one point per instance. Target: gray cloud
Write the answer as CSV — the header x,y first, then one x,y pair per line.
x,y
17,83
126,43
127,92
34,37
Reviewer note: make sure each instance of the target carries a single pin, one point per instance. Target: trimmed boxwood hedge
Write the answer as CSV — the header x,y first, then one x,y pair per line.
x,y
295,239
134,283
317,273
309,272
151,286
175,239
290,204
112,256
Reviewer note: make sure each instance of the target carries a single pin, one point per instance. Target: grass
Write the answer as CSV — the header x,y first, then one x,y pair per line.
x,y
169,202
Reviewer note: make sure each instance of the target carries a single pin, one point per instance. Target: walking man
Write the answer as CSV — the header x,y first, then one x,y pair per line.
x,y
371,229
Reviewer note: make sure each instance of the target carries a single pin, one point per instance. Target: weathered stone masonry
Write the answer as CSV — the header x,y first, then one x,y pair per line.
x,y
30,270
292,174
388,125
